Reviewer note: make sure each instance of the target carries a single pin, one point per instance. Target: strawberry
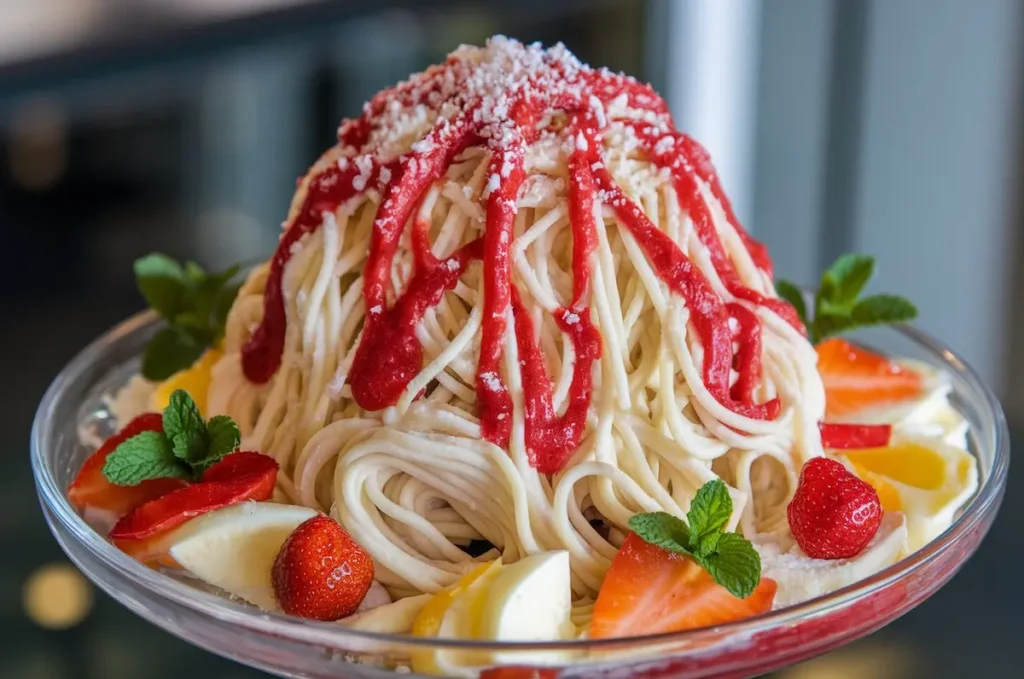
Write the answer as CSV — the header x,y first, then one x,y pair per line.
x,y
520,673
856,379
256,471
320,572
649,590
92,492
842,436
238,477
833,514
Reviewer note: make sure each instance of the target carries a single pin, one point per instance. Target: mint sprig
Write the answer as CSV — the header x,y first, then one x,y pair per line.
x,y
194,304
838,306
729,558
147,455
184,449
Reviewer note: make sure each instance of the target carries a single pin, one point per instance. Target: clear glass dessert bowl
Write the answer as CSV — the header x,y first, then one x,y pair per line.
x,y
293,647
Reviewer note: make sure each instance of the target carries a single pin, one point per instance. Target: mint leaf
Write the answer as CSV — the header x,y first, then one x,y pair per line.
x,y
224,438
662,530
185,429
827,324
836,305
185,449
792,294
219,280
729,558
195,305
144,456
735,565
710,510
882,309
202,292
707,546
194,273
169,351
222,306
849,274
161,281
192,323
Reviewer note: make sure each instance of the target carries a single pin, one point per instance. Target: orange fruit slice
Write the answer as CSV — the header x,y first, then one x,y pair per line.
x,y
856,379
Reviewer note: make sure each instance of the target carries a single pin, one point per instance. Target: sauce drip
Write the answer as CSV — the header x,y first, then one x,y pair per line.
x,y
504,103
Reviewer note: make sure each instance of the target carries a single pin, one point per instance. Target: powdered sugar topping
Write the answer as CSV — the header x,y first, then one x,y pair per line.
x,y
494,89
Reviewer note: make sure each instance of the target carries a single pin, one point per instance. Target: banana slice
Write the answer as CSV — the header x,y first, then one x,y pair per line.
x,y
234,548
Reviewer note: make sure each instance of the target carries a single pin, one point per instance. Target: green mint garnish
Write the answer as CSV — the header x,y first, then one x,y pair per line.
x,y
184,427
144,456
729,558
193,303
734,564
710,511
838,306
184,450
224,438
662,530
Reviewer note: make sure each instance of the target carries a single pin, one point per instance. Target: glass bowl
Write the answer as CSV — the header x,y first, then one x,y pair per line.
x,y
292,647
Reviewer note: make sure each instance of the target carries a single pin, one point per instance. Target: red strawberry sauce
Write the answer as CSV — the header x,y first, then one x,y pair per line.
x,y
500,106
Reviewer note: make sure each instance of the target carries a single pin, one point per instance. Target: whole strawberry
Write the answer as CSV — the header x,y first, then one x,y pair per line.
x,y
833,514
320,572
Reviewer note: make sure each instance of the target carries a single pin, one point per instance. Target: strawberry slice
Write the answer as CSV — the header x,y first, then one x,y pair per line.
x,y
856,379
520,673
840,436
649,590
92,493
238,477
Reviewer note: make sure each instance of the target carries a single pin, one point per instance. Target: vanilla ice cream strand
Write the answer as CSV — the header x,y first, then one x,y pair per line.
x,y
647,339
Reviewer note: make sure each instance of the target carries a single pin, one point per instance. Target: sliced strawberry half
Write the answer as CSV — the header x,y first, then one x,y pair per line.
x,y
238,477
856,379
91,492
649,590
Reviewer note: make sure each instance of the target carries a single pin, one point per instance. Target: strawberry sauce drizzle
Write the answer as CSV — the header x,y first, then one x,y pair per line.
x,y
495,401
261,356
504,119
690,167
390,355
747,360
708,313
551,439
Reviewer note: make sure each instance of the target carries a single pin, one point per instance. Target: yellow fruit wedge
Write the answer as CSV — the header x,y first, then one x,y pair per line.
x,y
195,380
432,616
924,477
888,494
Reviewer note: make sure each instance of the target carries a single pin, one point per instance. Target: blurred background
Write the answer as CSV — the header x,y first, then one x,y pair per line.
x,y
885,126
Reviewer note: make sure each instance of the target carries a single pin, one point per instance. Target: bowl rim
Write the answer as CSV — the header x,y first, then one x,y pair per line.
x,y
980,508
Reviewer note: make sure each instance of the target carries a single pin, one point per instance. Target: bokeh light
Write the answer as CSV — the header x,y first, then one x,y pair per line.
x,y
57,596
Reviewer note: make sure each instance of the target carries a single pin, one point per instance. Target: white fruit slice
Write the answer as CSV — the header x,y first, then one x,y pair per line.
x,y
462,621
393,618
801,578
234,548
530,601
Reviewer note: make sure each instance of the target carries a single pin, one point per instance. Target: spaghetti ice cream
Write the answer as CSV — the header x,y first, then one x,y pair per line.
x,y
511,298
512,314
